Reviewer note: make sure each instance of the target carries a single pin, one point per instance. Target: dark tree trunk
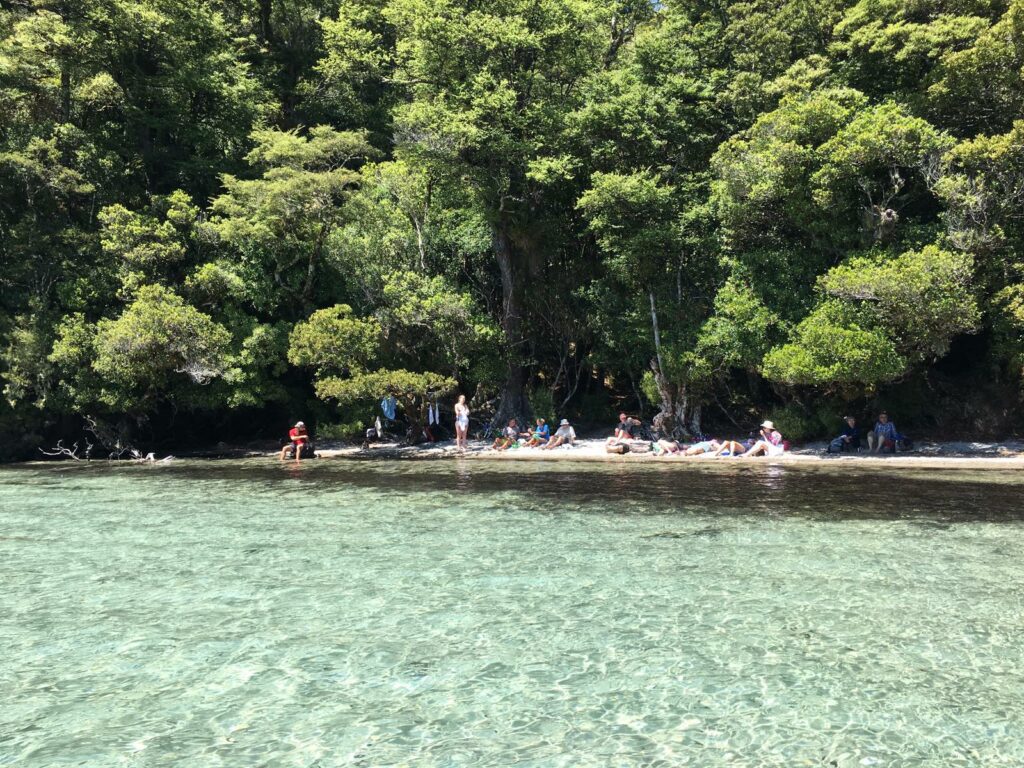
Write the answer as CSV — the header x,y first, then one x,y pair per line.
x,y
513,402
669,418
266,29
65,94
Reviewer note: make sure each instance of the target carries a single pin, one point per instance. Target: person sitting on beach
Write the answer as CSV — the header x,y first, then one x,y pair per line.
x,y
508,437
729,448
625,430
564,435
849,438
770,443
538,436
704,446
884,436
298,440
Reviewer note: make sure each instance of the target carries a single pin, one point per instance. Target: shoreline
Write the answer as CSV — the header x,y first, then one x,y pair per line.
x,y
1007,455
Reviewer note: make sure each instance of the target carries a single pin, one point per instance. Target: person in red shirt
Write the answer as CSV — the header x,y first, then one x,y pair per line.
x,y
299,440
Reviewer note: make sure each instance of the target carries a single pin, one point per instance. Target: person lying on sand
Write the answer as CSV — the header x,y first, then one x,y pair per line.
x,y
770,443
538,436
564,435
698,449
666,447
728,448
508,437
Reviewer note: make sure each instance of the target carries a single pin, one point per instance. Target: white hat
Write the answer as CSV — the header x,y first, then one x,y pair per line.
x,y
768,425
564,423
299,424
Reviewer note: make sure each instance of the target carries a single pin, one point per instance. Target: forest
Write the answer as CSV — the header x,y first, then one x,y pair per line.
x,y
218,216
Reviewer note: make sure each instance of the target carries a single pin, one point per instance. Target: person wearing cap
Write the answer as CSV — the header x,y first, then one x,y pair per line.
x,y
298,439
848,439
770,443
564,435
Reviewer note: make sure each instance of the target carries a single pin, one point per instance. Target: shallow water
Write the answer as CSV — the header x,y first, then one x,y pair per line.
x,y
494,614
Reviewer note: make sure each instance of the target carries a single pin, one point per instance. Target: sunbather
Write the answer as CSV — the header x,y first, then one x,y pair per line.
x,y
704,446
665,447
729,448
564,435
770,443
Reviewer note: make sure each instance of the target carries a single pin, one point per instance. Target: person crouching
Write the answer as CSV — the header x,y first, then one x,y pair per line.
x,y
298,441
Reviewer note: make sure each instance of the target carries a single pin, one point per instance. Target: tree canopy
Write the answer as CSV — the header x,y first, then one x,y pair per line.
x,y
243,212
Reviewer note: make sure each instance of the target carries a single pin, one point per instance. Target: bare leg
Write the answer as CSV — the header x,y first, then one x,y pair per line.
x,y
757,448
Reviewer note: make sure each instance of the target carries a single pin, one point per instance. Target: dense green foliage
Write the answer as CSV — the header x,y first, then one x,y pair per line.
x,y
213,210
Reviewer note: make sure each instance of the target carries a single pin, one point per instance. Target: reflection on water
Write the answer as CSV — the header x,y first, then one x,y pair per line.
x,y
458,613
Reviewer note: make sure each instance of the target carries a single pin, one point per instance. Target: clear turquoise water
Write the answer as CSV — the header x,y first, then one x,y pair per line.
x,y
438,614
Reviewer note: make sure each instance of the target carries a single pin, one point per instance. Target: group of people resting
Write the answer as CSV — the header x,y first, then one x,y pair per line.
x,y
768,443
883,437
627,437
538,437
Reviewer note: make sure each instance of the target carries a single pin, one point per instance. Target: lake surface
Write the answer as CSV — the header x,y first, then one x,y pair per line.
x,y
446,613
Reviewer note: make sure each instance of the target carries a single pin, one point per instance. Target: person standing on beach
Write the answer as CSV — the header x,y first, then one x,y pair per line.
x,y
461,423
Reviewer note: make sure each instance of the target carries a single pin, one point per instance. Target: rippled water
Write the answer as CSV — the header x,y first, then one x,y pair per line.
x,y
498,614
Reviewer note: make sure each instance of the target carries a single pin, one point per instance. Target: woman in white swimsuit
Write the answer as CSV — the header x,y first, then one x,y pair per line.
x,y
461,423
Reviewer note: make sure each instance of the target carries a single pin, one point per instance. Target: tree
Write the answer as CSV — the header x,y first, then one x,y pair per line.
x,y
342,349
279,224
880,318
486,92
160,348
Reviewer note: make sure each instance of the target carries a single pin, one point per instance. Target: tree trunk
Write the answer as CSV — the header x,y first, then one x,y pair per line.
x,y
420,244
416,413
266,28
65,94
670,419
311,267
513,402
695,420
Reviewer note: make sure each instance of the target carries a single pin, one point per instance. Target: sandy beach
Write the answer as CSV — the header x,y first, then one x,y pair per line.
x,y
946,455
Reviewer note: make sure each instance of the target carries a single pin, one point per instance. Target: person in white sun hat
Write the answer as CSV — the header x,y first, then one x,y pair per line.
x,y
770,443
564,435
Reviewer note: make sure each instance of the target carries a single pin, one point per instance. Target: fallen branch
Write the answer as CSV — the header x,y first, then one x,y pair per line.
x,y
70,453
